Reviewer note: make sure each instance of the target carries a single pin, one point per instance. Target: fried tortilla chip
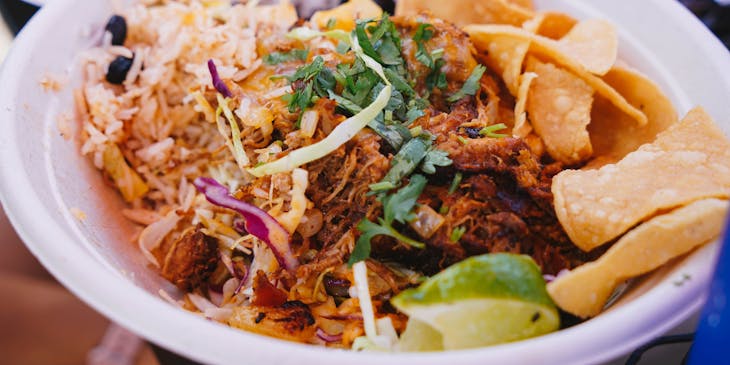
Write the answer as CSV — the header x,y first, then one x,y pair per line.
x,y
613,133
463,12
504,55
346,14
522,128
559,107
593,43
481,36
283,14
687,162
552,25
585,290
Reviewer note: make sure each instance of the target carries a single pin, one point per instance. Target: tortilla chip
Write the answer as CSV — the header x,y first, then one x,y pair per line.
x,y
283,14
346,14
593,43
559,106
481,35
521,127
463,12
585,290
526,4
504,55
613,133
687,162
552,25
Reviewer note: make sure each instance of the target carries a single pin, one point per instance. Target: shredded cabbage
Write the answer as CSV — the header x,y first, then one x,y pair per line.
x,y
235,143
290,220
360,274
341,134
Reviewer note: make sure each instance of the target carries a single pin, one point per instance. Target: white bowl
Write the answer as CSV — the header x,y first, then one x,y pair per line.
x,y
43,179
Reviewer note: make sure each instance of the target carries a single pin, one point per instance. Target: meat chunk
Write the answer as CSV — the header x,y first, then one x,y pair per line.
x,y
291,321
266,294
191,260
339,184
458,57
503,204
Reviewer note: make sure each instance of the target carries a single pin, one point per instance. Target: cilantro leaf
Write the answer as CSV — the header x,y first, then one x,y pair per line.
x,y
399,82
471,85
344,103
364,41
331,22
456,234
397,207
423,34
395,134
307,72
300,99
435,157
362,246
276,58
407,159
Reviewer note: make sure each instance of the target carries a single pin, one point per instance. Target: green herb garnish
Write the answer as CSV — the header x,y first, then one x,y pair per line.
x,y
489,131
276,58
397,208
423,34
406,160
435,157
455,182
456,234
471,85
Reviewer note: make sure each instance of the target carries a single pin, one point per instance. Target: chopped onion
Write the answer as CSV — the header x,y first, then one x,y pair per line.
x,y
152,235
290,220
227,262
310,118
258,223
218,84
427,221
326,337
201,303
341,134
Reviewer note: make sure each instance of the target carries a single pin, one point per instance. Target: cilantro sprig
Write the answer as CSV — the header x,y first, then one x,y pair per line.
x,y
471,85
309,83
397,208
276,58
433,59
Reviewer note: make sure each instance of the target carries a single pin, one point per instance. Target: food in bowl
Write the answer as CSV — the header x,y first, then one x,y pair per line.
x,y
394,183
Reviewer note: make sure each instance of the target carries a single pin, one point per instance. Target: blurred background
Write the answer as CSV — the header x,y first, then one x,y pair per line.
x,y
42,323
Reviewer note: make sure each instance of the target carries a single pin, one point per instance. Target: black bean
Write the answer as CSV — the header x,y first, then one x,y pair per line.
x,y
118,70
117,26
473,132
336,287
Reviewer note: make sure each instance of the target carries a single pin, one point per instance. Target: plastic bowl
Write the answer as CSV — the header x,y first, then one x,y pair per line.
x,y
45,183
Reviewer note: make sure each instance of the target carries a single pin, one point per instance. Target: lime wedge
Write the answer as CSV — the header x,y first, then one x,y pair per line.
x,y
481,301
420,336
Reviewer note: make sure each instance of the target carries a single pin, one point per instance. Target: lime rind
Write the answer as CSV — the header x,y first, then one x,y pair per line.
x,y
481,301
498,275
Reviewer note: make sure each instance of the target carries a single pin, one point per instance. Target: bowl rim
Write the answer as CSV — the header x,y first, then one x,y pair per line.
x,y
137,310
